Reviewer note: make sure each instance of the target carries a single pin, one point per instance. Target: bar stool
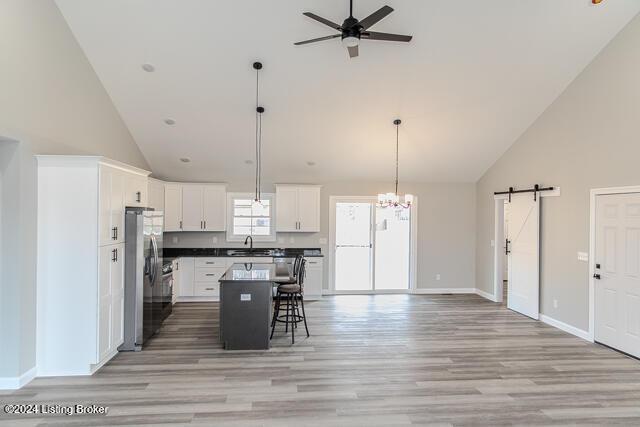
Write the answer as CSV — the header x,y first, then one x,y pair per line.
x,y
293,294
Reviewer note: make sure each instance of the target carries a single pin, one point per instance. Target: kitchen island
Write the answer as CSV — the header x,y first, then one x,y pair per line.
x,y
246,295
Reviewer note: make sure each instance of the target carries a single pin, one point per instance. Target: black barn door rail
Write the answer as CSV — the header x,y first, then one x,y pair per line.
x,y
535,190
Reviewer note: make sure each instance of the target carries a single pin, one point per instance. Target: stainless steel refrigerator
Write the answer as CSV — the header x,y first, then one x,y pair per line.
x,y
145,302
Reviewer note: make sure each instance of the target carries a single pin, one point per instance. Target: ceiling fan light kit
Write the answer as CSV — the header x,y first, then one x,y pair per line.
x,y
352,30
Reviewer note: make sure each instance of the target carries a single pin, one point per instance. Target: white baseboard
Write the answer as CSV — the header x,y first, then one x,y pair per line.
x,y
565,327
486,295
14,383
435,291
198,299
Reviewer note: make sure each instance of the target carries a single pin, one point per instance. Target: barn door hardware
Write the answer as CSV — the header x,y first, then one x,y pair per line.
x,y
535,190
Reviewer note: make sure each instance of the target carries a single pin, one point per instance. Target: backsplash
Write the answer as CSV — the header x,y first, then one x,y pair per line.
x,y
197,239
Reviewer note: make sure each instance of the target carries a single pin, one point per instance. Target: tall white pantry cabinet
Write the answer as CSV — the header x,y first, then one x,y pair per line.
x,y
80,292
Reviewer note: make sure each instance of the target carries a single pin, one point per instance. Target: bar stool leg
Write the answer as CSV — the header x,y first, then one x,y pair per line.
x,y
286,323
275,315
304,315
293,318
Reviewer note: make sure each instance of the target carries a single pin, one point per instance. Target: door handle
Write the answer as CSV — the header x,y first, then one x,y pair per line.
x,y
507,251
597,276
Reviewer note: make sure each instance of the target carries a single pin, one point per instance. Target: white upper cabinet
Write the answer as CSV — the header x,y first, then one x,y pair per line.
x,y
214,207
136,190
111,206
204,206
298,208
172,207
286,209
156,194
192,208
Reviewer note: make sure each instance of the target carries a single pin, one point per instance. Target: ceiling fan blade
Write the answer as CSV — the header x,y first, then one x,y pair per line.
x,y
353,51
324,21
372,35
319,39
376,17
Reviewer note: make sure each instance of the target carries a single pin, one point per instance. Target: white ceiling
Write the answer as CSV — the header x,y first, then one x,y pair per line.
x,y
475,76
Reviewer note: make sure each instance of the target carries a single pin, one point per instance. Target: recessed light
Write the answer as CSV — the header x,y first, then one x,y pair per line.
x,y
149,68
249,162
185,159
170,122
311,163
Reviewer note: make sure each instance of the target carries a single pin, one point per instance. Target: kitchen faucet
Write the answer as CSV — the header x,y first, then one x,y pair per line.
x,y
249,238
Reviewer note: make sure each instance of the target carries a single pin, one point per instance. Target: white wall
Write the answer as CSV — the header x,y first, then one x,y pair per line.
x,y
446,229
589,137
51,103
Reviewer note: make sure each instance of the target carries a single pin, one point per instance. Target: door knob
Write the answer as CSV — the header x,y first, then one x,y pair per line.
x,y
596,276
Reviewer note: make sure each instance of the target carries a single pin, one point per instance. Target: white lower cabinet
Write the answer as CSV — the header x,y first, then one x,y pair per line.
x,y
198,278
185,277
110,300
313,278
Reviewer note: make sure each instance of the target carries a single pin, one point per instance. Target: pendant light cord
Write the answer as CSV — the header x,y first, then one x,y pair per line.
x,y
258,136
397,153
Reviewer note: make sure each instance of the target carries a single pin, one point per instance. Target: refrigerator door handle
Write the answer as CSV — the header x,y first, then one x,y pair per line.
x,y
156,260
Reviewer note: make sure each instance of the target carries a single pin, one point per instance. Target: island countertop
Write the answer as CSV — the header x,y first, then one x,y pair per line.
x,y
257,272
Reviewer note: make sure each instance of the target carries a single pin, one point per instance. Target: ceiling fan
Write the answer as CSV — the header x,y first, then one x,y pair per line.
x,y
352,30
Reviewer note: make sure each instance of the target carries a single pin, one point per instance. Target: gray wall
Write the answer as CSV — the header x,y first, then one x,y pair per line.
x,y
52,103
588,138
446,229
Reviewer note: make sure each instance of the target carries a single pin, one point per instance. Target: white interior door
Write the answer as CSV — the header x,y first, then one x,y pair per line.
x,y
617,292
353,246
523,293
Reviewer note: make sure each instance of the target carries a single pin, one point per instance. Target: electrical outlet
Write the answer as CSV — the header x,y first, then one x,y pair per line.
x,y
493,243
555,303
281,240
292,240
215,240
322,241
437,277
175,239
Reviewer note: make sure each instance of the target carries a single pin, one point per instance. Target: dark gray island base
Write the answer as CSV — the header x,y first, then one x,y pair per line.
x,y
246,293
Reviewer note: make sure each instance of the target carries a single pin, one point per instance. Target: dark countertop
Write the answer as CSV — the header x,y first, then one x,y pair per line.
x,y
229,252
256,272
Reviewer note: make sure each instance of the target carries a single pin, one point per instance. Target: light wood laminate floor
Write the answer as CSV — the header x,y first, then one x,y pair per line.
x,y
371,360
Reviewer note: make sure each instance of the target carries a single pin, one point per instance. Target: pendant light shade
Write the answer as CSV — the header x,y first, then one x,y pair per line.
x,y
393,199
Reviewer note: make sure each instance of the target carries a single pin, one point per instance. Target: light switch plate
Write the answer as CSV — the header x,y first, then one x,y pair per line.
x,y
322,240
583,256
493,243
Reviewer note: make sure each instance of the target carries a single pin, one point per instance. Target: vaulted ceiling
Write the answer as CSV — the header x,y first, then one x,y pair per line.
x,y
475,76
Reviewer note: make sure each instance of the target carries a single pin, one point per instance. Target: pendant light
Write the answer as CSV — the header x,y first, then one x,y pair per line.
x,y
259,111
393,199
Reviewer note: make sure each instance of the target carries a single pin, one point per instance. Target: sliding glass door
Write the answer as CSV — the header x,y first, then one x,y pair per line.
x,y
372,247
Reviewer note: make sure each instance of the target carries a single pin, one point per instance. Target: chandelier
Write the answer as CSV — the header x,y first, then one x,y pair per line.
x,y
393,200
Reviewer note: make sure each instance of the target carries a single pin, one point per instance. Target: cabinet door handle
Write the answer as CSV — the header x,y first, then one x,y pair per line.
x,y
208,289
114,255
114,233
205,225
180,225
138,196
